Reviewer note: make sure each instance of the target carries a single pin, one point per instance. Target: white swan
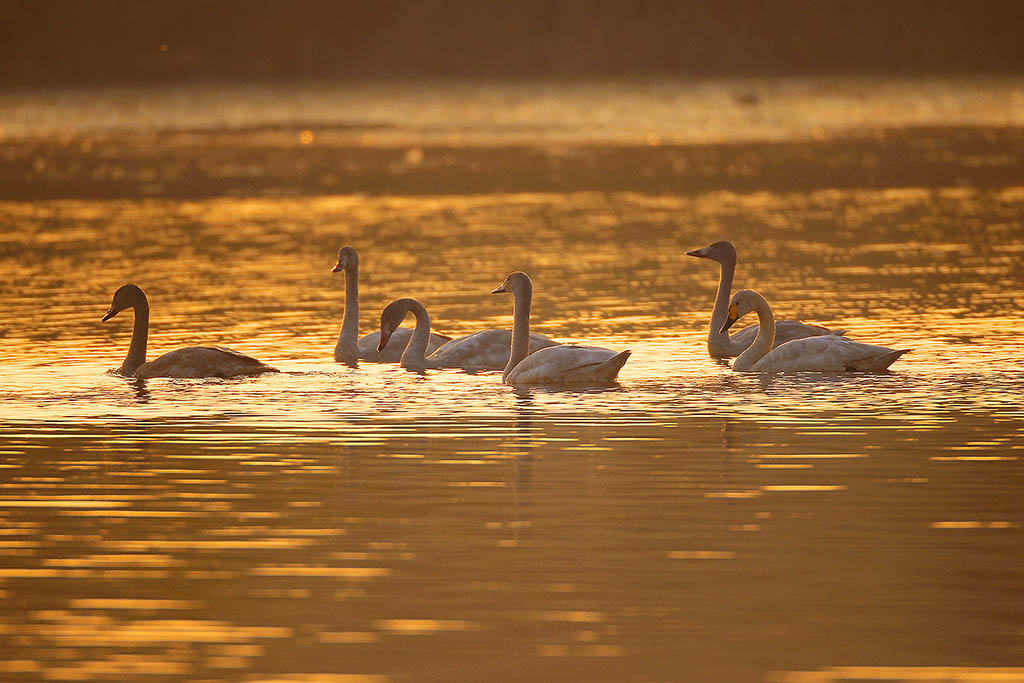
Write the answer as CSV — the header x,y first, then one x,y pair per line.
x,y
563,364
351,347
486,350
193,361
824,353
722,345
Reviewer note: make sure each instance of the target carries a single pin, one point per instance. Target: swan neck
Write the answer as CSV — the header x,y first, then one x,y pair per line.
x,y
521,306
415,353
140,336
348,338
764,341
718,340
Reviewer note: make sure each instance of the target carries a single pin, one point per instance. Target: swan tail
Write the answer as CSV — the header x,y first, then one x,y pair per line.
x,y
609,369
876,363
258,369
840,333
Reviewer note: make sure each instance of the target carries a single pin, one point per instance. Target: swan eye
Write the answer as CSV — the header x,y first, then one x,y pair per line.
x,y
734,311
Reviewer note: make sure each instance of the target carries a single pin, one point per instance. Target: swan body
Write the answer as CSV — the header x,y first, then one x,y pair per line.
x,y
201,361
824,353
351,347
562,364
193,361
567,364
723,345
486,350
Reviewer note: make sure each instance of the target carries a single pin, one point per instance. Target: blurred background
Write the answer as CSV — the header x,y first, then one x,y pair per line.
x,y
111,41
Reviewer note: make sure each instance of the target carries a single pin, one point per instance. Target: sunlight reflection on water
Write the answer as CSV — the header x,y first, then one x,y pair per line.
x,y
371,523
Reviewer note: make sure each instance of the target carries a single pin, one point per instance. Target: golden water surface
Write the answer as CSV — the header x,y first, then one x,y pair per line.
x,y
370,524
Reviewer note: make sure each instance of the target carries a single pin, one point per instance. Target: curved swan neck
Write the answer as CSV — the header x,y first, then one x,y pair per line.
x,y
140,336
415,353
522,303
765,339
348,339
717,340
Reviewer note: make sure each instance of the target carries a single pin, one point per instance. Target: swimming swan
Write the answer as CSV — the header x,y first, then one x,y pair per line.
x,y
350,347
486,350
721,345
193,361
824,353
563,364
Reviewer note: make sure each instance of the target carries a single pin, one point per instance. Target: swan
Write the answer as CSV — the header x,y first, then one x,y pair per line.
x,y
193,361
562,364
350,347
486,350
824,353
722,345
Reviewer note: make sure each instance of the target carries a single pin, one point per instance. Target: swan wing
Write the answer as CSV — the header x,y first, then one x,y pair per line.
x,y
203,361
485,350
827,353
785,330
568,364
788,330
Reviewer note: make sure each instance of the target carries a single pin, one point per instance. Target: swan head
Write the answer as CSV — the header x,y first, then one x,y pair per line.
x,y
348,259
516,283
390,319
742,302
126,296
722,251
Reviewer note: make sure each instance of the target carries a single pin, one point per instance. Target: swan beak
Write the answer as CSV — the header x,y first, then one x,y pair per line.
x,y
699,253
731,320
384,337
337,267
499,290
109,314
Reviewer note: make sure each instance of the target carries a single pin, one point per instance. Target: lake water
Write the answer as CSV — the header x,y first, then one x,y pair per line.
x,y
332,523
